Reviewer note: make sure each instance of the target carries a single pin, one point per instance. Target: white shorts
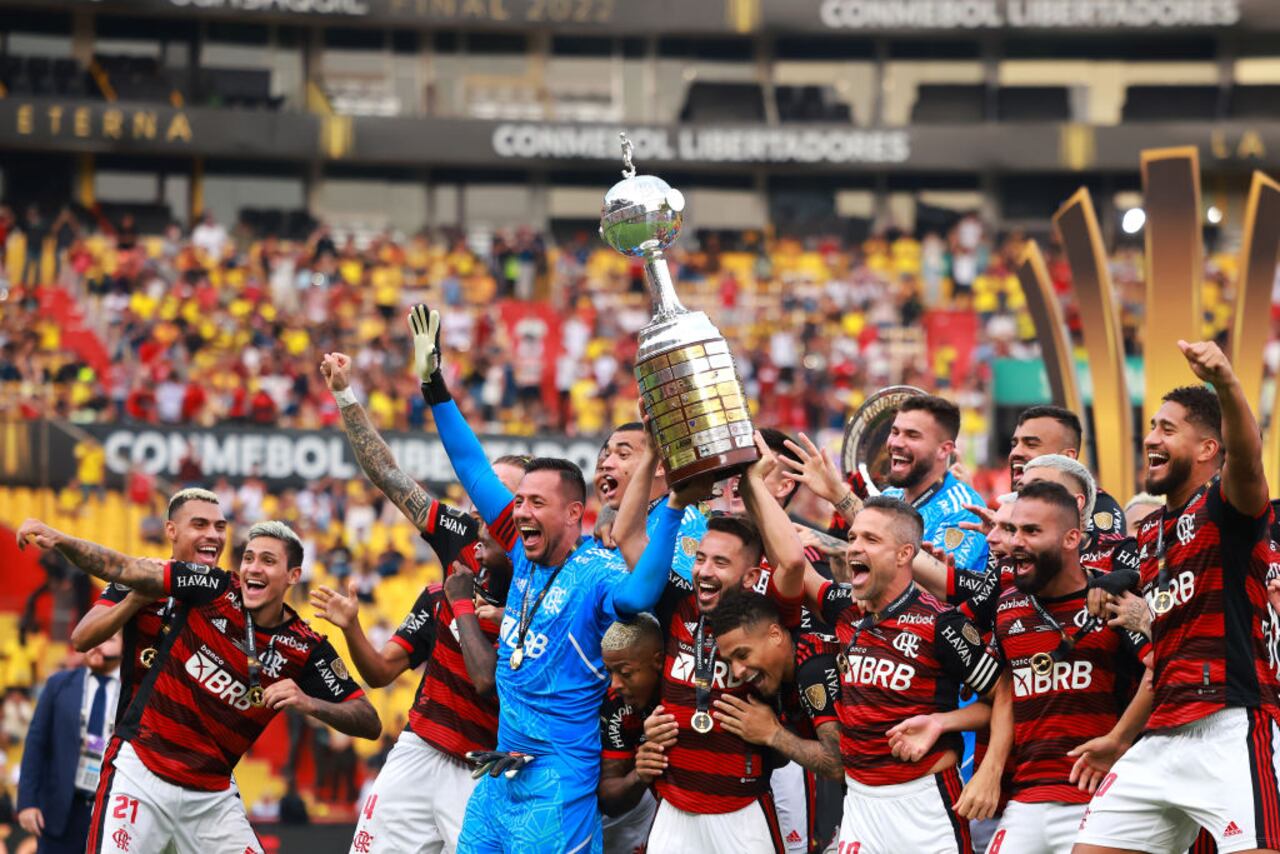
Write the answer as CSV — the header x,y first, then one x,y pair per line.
x,y
791,800
416,803
981,831
137,811
627,833
1047,828
916,816
750,830
1218,773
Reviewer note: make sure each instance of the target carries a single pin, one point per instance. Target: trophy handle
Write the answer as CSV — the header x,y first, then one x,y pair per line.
x,y
665,302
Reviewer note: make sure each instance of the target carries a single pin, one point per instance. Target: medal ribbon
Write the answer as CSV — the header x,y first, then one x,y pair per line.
x,y
1067,642
527,618
251,651
704,657
1164,578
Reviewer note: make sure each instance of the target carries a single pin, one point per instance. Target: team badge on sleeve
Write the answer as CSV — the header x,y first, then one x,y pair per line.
x,y
1103,520
953,538
816,694
339,668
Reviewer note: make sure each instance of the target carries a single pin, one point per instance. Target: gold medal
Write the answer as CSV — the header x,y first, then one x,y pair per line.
x,y
517,657
147,657
255,696
701,722
1163,603
842,664
1042,663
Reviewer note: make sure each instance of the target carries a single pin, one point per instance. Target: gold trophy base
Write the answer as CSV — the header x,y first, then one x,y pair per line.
x,y
694,399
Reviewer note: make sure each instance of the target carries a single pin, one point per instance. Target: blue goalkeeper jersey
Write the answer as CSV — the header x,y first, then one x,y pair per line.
x,y
692,526
943,510
550,703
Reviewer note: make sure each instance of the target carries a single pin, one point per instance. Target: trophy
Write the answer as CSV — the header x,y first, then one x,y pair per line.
x,y
689,386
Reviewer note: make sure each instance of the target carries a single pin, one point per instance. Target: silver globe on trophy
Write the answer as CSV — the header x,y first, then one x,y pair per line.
x,y
689,386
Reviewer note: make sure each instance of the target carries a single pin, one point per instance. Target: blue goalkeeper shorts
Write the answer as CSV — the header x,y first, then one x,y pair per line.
x,y
549,808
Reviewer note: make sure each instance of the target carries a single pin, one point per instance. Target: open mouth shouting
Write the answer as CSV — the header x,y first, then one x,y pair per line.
x,y
859,572
607,486
207,554
1024,565
533,539
255,588
1016,467
1157,463
707,591
900,464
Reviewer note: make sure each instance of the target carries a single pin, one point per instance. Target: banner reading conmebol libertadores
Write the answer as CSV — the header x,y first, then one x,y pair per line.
x,y
283,458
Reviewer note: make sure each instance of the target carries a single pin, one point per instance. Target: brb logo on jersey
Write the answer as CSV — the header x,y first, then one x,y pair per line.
x,y
1065,676
682,667
873,672
206,669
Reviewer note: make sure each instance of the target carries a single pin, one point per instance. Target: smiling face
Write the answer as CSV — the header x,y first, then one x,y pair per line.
x,y
758,654
878,561
197,532
1174,448
549,522
265,574
918,449
721,563
1036,437
1042,533
618,463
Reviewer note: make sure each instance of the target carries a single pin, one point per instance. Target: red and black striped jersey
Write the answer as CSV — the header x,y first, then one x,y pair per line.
x,y
1105,552
1080,698
910,663
142,632
712,772
447,712
621,727
191,719
810,701
452,534
1212,648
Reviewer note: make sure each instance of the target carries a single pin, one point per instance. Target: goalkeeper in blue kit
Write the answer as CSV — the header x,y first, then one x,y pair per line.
x,y
539,796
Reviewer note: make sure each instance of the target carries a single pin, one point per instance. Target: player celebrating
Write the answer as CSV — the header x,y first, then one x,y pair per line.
x,y
1053,430
905,656
454,712
1072,677
234,657
632,652
796,673
1205,559
618,461
197,533
549,670
715,789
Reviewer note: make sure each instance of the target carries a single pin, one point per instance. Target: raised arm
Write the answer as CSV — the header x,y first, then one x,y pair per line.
x,y
378,669
460,443
142,574
478,653
104,620
781,542
1244,481
372,453
643,587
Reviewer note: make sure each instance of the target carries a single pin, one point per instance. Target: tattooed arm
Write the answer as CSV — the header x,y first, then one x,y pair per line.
x,y
371,450
354,716
142,574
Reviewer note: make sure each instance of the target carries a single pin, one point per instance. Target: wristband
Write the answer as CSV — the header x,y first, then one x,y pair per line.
x,y
846,503
435,391
344,397
463,606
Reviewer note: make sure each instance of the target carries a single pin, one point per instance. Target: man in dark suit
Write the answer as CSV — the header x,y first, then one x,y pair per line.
x,y
62,756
